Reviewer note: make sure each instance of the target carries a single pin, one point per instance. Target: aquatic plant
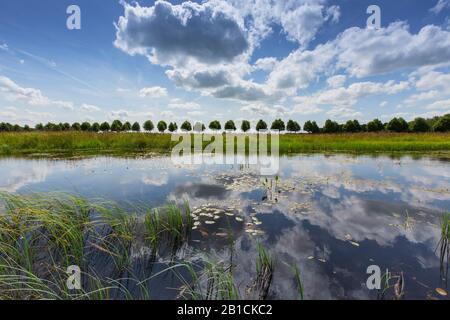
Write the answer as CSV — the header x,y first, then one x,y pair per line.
x,y
42,234
169,223
444,245
210,279
298,281
385,285
153,225
264,273
398,288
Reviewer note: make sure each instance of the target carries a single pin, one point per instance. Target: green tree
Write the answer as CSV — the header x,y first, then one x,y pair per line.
x,y
215,125
76,126
293,126
162,126
261,125
245,125
173,127
148,125
48,127
311,127
186,126
116,126
39,127
397,125
331,126
126,126
136,127
85,126
352,126
8,127
443,124
66,126
278,124
375,126
105,127
419,125
229,125
27,127
95,127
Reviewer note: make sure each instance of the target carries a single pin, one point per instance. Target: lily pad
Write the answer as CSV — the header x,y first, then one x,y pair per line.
x,y
442,292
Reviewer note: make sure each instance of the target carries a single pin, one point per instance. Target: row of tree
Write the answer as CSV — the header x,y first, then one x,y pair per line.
x,y
436,124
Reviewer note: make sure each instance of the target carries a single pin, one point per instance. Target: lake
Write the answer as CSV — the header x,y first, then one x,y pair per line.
x,y
331,216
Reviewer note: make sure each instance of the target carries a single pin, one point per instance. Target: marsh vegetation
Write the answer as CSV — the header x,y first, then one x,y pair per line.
x,y
121,253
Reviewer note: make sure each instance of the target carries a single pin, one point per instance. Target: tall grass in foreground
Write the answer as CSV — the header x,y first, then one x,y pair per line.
x,y
116,250
264,274
42,234
215,281
169,224
88,142
298,281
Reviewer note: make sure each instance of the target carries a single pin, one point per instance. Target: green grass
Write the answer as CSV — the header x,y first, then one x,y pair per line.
x,y
26,143
365,142
444,246
169,225
67,142
264,273
42,234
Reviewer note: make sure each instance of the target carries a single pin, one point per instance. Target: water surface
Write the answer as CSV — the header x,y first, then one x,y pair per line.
x,y
331,216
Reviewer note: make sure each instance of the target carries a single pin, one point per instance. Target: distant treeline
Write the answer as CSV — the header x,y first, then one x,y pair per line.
x,y
436,124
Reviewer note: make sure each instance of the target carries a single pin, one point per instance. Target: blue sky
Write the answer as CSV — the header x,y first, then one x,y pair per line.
x,y
177,60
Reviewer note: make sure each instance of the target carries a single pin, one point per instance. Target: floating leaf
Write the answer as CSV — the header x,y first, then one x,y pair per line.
x,y
356,244
441,291
222,234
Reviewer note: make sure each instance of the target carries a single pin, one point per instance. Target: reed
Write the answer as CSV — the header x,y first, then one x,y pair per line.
x,y
264,273
444,246
298,281
209,280
42,234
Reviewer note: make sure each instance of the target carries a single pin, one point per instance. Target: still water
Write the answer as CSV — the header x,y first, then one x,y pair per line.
x,y
331,216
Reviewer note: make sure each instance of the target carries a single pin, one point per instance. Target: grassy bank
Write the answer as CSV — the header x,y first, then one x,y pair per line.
x,y
73,142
